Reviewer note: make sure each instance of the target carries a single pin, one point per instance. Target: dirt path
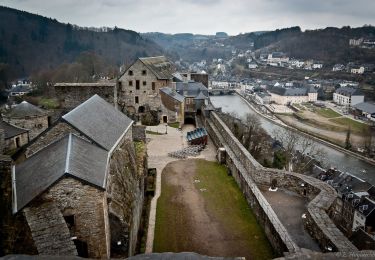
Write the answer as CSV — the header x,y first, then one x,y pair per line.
x,y
206,234
158,147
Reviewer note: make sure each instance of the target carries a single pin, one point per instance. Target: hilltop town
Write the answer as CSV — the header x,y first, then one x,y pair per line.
x,y
251,152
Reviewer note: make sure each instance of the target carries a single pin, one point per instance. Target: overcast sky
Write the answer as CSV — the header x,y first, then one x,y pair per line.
x,y
203,16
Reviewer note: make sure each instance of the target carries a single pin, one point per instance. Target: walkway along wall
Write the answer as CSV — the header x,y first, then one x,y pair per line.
x,y
248,173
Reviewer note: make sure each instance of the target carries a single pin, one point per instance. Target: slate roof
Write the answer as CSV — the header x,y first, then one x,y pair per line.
x,y
345,182
69,156
160,66
24,109
200,96
278,54
11,130
20,89
100,121
366,207
291,91
177,77
191,89
345,91
173,94
366,107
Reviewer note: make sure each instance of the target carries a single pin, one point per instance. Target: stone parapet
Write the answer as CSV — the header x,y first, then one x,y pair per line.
x,y
321,196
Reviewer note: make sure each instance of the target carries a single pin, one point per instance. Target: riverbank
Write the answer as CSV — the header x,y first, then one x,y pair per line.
x,y
307,134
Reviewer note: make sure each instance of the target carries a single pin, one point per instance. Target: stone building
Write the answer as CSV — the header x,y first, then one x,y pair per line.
x,y
186,98
71,95
27,116
174,102
139,85
81,187
197,77
14,137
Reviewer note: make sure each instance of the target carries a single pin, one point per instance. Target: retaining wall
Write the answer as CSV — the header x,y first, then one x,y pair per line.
x,y
248,173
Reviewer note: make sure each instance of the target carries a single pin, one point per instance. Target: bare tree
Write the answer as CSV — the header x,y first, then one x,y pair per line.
x,y
299,151
368,138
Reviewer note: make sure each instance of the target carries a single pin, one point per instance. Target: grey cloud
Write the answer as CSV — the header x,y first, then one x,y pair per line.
x,y
203,16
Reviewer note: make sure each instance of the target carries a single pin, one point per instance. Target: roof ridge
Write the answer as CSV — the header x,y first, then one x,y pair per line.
x,y
68,152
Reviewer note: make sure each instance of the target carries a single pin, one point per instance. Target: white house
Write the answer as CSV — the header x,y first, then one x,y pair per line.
x,y
277,57
253,65
286,96
359,70
317,65
345,96
338,67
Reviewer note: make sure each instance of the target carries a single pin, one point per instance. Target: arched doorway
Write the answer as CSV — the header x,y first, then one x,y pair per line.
x,y
141,109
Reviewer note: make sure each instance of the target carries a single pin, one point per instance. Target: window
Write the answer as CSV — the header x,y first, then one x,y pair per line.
x,y
144,72
18,142
137,84
130,73
69,221
130,91
119,84
144,83
136,100
130,83
153,85
144,91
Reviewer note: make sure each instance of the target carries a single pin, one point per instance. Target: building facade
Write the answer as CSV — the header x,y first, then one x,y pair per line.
x,y
139,85
345,96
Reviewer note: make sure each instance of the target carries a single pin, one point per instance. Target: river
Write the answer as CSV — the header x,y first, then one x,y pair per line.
x,y
334,158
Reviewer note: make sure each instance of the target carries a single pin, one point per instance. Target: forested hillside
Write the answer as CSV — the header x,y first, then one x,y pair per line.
x,y
30,43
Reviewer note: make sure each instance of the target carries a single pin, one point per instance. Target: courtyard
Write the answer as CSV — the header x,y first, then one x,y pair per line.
x,y
201,209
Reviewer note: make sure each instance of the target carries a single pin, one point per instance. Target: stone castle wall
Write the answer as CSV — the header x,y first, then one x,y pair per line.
x,y
125,191
139,133
72,95
248,172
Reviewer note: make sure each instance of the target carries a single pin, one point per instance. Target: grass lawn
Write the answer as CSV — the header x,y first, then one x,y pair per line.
x,y
226,201
49,103
327,112
153,132
174,125
223,202
355,126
